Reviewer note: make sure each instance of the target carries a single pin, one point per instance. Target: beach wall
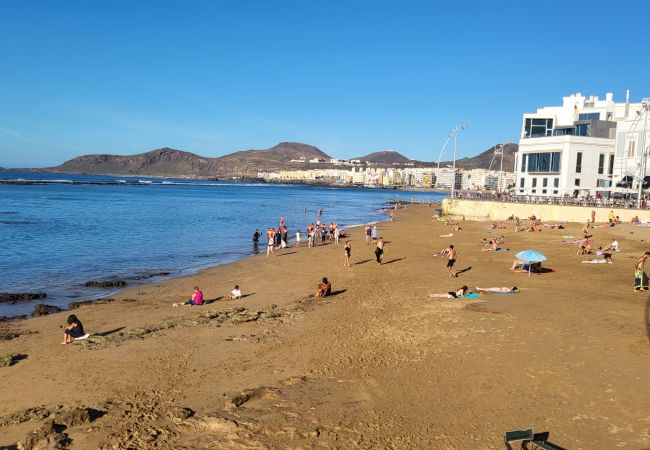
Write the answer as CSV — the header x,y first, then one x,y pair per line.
x,y
489,210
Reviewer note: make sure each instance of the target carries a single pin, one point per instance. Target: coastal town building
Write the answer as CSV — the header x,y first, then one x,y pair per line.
x,y
583,147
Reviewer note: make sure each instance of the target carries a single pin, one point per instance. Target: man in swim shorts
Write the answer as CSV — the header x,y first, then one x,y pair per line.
x,y
451,260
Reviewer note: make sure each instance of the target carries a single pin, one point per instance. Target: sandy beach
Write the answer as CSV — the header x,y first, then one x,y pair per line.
x,y
379,364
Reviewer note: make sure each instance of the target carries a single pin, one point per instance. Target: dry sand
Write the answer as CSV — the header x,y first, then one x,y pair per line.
x,y
378,365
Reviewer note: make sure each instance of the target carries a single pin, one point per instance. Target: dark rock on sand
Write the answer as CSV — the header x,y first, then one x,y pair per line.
x,y
8,297
25,415
99,301
106,284
50,436
178,414
43,310
10,360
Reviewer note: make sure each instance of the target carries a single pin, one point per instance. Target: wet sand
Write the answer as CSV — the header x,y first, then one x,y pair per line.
x,y
378,365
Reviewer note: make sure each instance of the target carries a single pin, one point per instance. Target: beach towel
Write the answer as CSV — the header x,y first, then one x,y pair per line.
x,y
502,250
544,270
643,225
447,235
596,261
568,237
81,338
472,295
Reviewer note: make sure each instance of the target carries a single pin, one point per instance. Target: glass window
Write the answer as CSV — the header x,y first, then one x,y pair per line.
x,y
577,183
534,191
523,162
555,191
601,163
582,129
534,182
555,161
556,182
522,182
538,127
631,147
610,169
544,182
543,191
589,116
543,162
532,162
579,162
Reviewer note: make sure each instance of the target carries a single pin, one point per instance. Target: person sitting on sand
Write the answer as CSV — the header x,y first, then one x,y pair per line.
x,y
73,330
613,246
635,220
459,293
484,242
196,300
506,290
324,288
524,266
235,293
584,247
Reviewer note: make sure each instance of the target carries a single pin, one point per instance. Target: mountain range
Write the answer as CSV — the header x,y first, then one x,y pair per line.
x,y
167,162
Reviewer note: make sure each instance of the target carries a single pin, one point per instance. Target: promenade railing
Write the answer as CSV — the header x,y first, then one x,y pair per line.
x,y
628,203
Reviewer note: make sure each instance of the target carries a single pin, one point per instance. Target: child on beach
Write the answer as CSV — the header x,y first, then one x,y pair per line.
x,y
324,288
196,300
235,293
379,250
73,330
298,238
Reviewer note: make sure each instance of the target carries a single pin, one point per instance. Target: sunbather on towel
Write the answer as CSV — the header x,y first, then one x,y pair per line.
x,y
459,293
498,289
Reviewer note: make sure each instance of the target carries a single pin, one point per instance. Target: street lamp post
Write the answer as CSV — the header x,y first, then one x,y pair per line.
x,y
645,103
453,169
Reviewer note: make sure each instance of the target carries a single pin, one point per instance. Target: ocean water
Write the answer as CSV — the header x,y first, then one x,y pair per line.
x,y
71,229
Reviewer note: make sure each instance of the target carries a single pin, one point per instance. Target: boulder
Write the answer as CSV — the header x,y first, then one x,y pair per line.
x,y
43,310
106,284
9,297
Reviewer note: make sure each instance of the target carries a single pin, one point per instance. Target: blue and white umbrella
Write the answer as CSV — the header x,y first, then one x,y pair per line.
x,y
530,256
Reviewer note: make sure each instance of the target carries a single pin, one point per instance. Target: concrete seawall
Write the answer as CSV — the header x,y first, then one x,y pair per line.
x,y
490,210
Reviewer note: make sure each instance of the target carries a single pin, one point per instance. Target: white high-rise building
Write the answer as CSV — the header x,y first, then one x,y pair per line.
x,y
572,149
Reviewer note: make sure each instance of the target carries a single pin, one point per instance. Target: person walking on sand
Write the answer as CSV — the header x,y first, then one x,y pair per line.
x,y
451,260
593,216
348,252
379,250
337,234
374,233
640,278
368,231
297,238
270,243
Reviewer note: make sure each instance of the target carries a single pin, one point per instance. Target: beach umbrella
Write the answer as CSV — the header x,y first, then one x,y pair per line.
x,y
530,256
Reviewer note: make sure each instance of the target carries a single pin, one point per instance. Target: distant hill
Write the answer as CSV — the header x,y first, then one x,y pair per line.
x,y
385,157
482,161
167,162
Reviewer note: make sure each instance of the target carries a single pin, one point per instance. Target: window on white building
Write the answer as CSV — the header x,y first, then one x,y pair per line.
x,y
589,116
543,162
556,182
578,163
534,183
538,127
601,164
544,182
610,169
577,183
522,182
631,149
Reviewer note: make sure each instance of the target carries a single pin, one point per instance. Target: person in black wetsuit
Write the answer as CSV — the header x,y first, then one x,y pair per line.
x,y
256,236
73,330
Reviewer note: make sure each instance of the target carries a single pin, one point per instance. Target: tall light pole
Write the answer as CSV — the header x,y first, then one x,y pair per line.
x,y
645,103
453,169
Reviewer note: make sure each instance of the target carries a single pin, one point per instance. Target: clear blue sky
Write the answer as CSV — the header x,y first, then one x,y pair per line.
x,y
350,77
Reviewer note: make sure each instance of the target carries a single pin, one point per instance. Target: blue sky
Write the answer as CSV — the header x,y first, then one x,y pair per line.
x,y
350,77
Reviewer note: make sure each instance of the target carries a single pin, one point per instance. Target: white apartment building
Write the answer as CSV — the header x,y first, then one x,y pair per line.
x,y
571,149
